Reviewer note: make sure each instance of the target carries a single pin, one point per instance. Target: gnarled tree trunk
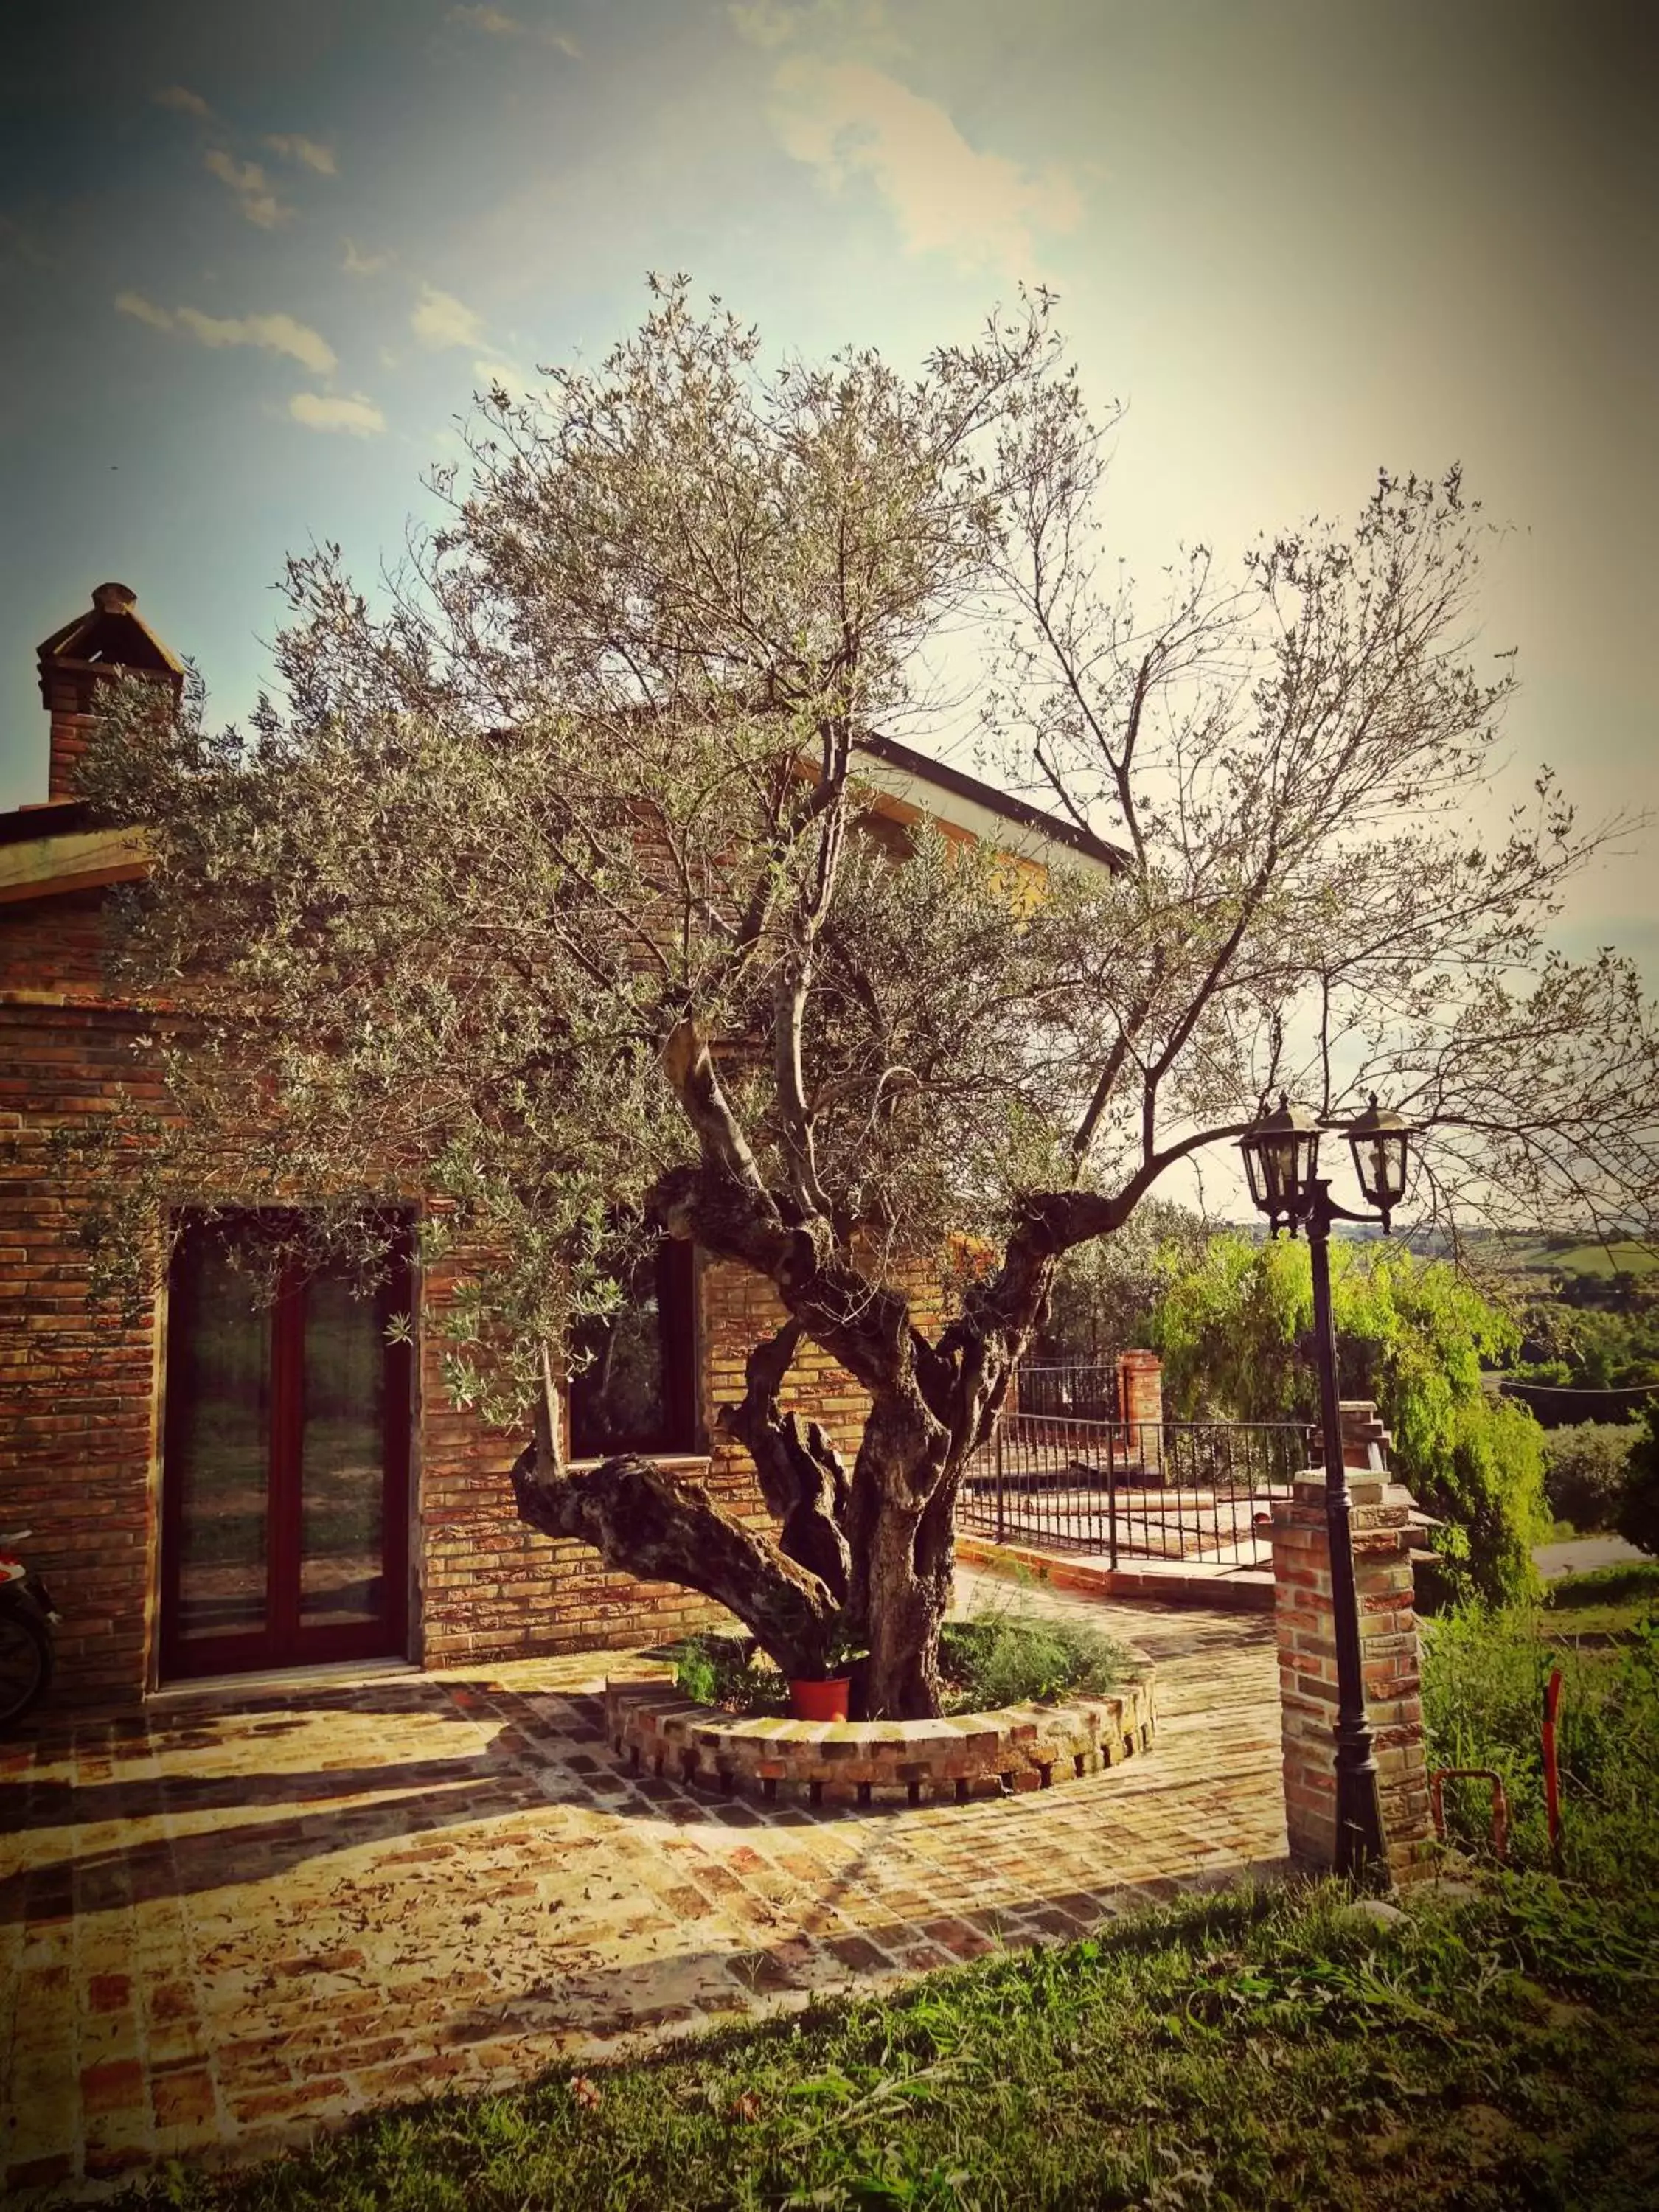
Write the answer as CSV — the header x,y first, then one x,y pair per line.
x,y
868,1560
665,1529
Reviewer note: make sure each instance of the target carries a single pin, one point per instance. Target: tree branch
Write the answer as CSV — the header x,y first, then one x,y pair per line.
x,y
801,1475
665,1529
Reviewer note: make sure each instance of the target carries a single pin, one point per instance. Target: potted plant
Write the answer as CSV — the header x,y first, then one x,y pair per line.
x,y
824,1696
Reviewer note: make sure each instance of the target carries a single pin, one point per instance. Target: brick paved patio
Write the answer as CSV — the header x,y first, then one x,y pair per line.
x,y
228,1918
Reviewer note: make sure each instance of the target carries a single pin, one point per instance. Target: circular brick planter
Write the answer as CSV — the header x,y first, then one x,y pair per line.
x,y
874,1763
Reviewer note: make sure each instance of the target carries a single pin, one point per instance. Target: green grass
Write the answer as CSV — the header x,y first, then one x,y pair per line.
x,y
1612,1600
1484,1679
1620,1259
1550,1256
1265,2050
1626,1582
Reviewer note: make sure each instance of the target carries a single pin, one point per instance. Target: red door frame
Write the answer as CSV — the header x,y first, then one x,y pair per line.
x,y
282,1641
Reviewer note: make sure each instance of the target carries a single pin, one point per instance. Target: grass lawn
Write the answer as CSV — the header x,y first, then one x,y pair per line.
x,y
1544,1255
1590,1259
1605,1601
1248,2050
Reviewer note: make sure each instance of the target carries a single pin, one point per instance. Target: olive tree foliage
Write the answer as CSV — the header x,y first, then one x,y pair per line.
x,y
1105,1294
542,895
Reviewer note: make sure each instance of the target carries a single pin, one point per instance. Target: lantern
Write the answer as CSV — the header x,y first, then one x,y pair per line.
x,y
1281,1153
1381,1142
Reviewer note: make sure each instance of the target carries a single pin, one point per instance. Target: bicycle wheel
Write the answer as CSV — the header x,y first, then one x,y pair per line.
x,y
25,1662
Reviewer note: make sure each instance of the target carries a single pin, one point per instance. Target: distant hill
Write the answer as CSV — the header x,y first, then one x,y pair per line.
x,y
1517,1251
1532,1253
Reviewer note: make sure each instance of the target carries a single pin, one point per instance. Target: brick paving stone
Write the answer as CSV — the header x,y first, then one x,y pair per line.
x,y
225,1923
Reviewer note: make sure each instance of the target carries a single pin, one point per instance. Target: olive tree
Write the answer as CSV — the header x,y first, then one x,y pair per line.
x,y
540,892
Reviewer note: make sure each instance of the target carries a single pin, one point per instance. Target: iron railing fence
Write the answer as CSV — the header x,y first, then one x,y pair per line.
x,y
1090,1393
1193,1491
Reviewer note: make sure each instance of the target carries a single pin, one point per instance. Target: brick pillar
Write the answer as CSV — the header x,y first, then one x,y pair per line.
x,y
1140,1404
1382,1523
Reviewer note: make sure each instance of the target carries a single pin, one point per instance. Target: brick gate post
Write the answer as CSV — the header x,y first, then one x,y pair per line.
x,y
1385,1522
1140,1404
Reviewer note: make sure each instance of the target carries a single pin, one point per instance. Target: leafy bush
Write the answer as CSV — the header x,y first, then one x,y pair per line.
x,y
1637,1520
1236,1335
1484,1677
732,1672
1585,1469
1002,1655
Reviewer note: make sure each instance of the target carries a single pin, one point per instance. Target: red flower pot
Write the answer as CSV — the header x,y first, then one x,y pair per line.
x,y
820,1701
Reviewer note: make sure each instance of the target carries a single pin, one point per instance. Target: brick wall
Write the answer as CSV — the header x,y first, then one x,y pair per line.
x,y
68,698
491,1589
53,947
80,1391
1140,1396
78,1388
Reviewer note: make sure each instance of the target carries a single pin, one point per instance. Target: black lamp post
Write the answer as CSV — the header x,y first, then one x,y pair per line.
x,y
1281,1160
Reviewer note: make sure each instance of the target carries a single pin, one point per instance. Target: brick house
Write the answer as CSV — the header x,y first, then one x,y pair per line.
x,y
224,1488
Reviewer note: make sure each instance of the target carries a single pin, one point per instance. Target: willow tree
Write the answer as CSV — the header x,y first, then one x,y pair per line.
x,y
541,892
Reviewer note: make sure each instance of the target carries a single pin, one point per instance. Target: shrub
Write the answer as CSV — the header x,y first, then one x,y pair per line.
x,y
1585,1469
1637,1520
1236,1332
732,1672
1001,1654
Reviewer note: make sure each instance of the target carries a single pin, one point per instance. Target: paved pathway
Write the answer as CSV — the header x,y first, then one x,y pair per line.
x,y
224,1922
1582,1554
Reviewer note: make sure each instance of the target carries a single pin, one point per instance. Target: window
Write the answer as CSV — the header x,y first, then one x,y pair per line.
x,y
638,1391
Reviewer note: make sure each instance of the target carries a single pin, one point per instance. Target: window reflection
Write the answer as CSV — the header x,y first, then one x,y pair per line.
x,y
637,1391
219,1441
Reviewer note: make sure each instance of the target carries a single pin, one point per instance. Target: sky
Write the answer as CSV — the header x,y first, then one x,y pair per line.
x,y
254,261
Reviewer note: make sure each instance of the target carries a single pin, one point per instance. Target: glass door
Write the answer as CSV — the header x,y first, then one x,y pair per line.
x,y
285,1474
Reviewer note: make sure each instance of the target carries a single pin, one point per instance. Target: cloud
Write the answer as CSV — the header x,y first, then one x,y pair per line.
x,y
275,333
252,187
143,310
305,151
363,265
179,98
516,382
18,244
981,207
358,416
762,22
496,23
441,320
772,24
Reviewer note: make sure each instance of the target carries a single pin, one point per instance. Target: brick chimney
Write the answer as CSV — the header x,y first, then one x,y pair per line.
x,y
76,659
